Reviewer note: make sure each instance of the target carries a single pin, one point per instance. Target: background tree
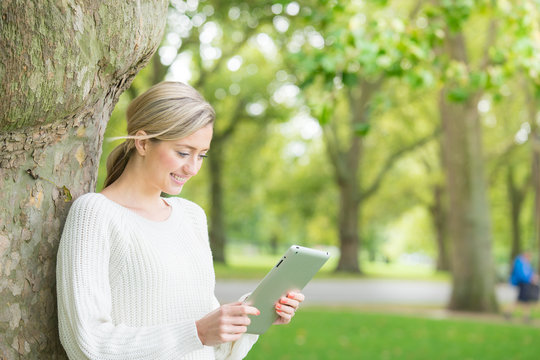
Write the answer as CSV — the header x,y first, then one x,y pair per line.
x,y
347,60
63,67
469,222
524,25
233,62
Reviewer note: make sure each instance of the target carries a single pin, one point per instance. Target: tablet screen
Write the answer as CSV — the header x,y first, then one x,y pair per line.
x,y
292,272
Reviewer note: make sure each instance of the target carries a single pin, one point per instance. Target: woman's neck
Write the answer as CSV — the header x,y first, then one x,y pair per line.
x,y
130,191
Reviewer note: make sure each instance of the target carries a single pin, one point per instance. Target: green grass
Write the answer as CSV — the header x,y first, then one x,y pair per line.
x,y
242,265
335,334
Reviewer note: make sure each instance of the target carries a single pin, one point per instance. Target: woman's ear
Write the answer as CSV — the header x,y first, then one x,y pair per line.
x,y
141,145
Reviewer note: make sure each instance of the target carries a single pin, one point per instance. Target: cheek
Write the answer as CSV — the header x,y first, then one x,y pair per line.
x,y
168,161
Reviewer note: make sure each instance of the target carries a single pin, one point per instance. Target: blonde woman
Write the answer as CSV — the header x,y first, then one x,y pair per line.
x,y
135,278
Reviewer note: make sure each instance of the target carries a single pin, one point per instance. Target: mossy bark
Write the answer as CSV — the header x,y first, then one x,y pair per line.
x,y
63,66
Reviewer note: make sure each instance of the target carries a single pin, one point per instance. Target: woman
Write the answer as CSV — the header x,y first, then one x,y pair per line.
x,y
135,278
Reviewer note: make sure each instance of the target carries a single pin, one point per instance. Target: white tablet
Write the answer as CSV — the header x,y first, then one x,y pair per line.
x,y
292,272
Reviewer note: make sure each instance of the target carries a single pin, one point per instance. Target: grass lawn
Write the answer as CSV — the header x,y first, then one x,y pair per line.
x,y
335,334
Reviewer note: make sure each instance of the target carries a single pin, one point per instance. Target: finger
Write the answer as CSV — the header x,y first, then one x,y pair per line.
x,y
296,296
236,329
249,310
230,337
285,309
242,320
284,315
288,301
239,309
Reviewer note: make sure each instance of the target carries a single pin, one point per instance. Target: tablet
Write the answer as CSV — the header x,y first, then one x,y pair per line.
x,y
292,272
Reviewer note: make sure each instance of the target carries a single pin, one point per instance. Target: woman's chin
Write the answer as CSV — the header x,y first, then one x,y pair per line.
x,y
173,192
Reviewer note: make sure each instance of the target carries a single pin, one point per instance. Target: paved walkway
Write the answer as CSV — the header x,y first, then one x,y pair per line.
x,y
364,292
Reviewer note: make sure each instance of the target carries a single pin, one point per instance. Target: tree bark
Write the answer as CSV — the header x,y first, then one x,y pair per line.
x,y
533,104
438,216
469,221
346,164
468,214
63,66
348,228
515,198
217,218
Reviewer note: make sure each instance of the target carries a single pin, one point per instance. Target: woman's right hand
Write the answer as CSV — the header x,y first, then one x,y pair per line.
x,y
225,324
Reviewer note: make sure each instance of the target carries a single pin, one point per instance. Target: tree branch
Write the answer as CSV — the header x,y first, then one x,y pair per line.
x,y
416,9
337,158
235,119
390,161
490,41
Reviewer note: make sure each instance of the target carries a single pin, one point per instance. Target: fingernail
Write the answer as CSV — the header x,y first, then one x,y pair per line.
x,y
258,312
278,306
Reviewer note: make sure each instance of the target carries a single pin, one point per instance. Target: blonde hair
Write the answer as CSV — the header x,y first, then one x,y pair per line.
x,y
166,111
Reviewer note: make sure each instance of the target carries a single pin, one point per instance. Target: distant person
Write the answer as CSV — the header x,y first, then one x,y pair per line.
x,y
135,278
524,277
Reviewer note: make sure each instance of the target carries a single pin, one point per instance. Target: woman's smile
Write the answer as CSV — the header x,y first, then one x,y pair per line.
x,y
180,180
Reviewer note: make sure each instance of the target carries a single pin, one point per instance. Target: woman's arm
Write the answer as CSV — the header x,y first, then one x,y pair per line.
x,y
86,327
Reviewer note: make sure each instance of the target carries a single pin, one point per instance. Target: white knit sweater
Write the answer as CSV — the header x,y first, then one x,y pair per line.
x,y
132,288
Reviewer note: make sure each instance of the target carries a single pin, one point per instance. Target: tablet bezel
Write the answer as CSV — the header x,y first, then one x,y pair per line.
x,y
292,272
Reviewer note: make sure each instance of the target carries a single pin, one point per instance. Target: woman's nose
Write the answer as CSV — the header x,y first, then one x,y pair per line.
x,y
190,167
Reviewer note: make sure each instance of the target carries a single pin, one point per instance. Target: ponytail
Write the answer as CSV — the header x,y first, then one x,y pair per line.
x,y
117,161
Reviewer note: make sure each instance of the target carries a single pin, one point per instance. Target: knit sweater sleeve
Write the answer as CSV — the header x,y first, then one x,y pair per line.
x,y
238,349
84,297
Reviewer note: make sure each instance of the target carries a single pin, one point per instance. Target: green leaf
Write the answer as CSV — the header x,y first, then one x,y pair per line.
x,y
458,95
479,80
307,81
67,194
325,115
350,79
362,129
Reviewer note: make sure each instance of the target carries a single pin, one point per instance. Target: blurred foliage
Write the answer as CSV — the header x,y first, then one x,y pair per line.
x,y
278,72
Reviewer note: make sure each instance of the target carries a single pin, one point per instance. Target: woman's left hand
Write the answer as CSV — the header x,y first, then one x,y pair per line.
x,y
287,306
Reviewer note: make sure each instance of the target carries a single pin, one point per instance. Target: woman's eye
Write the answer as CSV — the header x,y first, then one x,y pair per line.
x,y
183,154
203,156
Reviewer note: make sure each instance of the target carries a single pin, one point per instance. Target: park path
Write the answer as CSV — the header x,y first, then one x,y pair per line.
x,y
373,292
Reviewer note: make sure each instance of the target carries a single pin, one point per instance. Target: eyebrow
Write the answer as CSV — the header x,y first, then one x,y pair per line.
x,y
191,147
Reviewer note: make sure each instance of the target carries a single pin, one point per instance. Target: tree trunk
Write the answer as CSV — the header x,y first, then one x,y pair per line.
x,y
515,198
217,216
346,163
469,222
438,216
348,228
533,104
468,213
63,66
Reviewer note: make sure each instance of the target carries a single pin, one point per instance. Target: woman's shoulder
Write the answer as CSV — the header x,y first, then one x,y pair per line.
x,y
88,199
92,203
187,206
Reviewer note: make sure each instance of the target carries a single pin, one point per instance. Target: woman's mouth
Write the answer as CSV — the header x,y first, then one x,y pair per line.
x,y
179,179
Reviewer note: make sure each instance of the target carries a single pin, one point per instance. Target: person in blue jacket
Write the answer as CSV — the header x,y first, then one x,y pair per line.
x,y
524,277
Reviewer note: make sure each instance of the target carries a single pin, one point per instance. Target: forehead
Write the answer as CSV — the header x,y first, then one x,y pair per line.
x,y
200,139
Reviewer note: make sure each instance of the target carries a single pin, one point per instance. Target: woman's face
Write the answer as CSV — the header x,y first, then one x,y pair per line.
x,y
170,164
